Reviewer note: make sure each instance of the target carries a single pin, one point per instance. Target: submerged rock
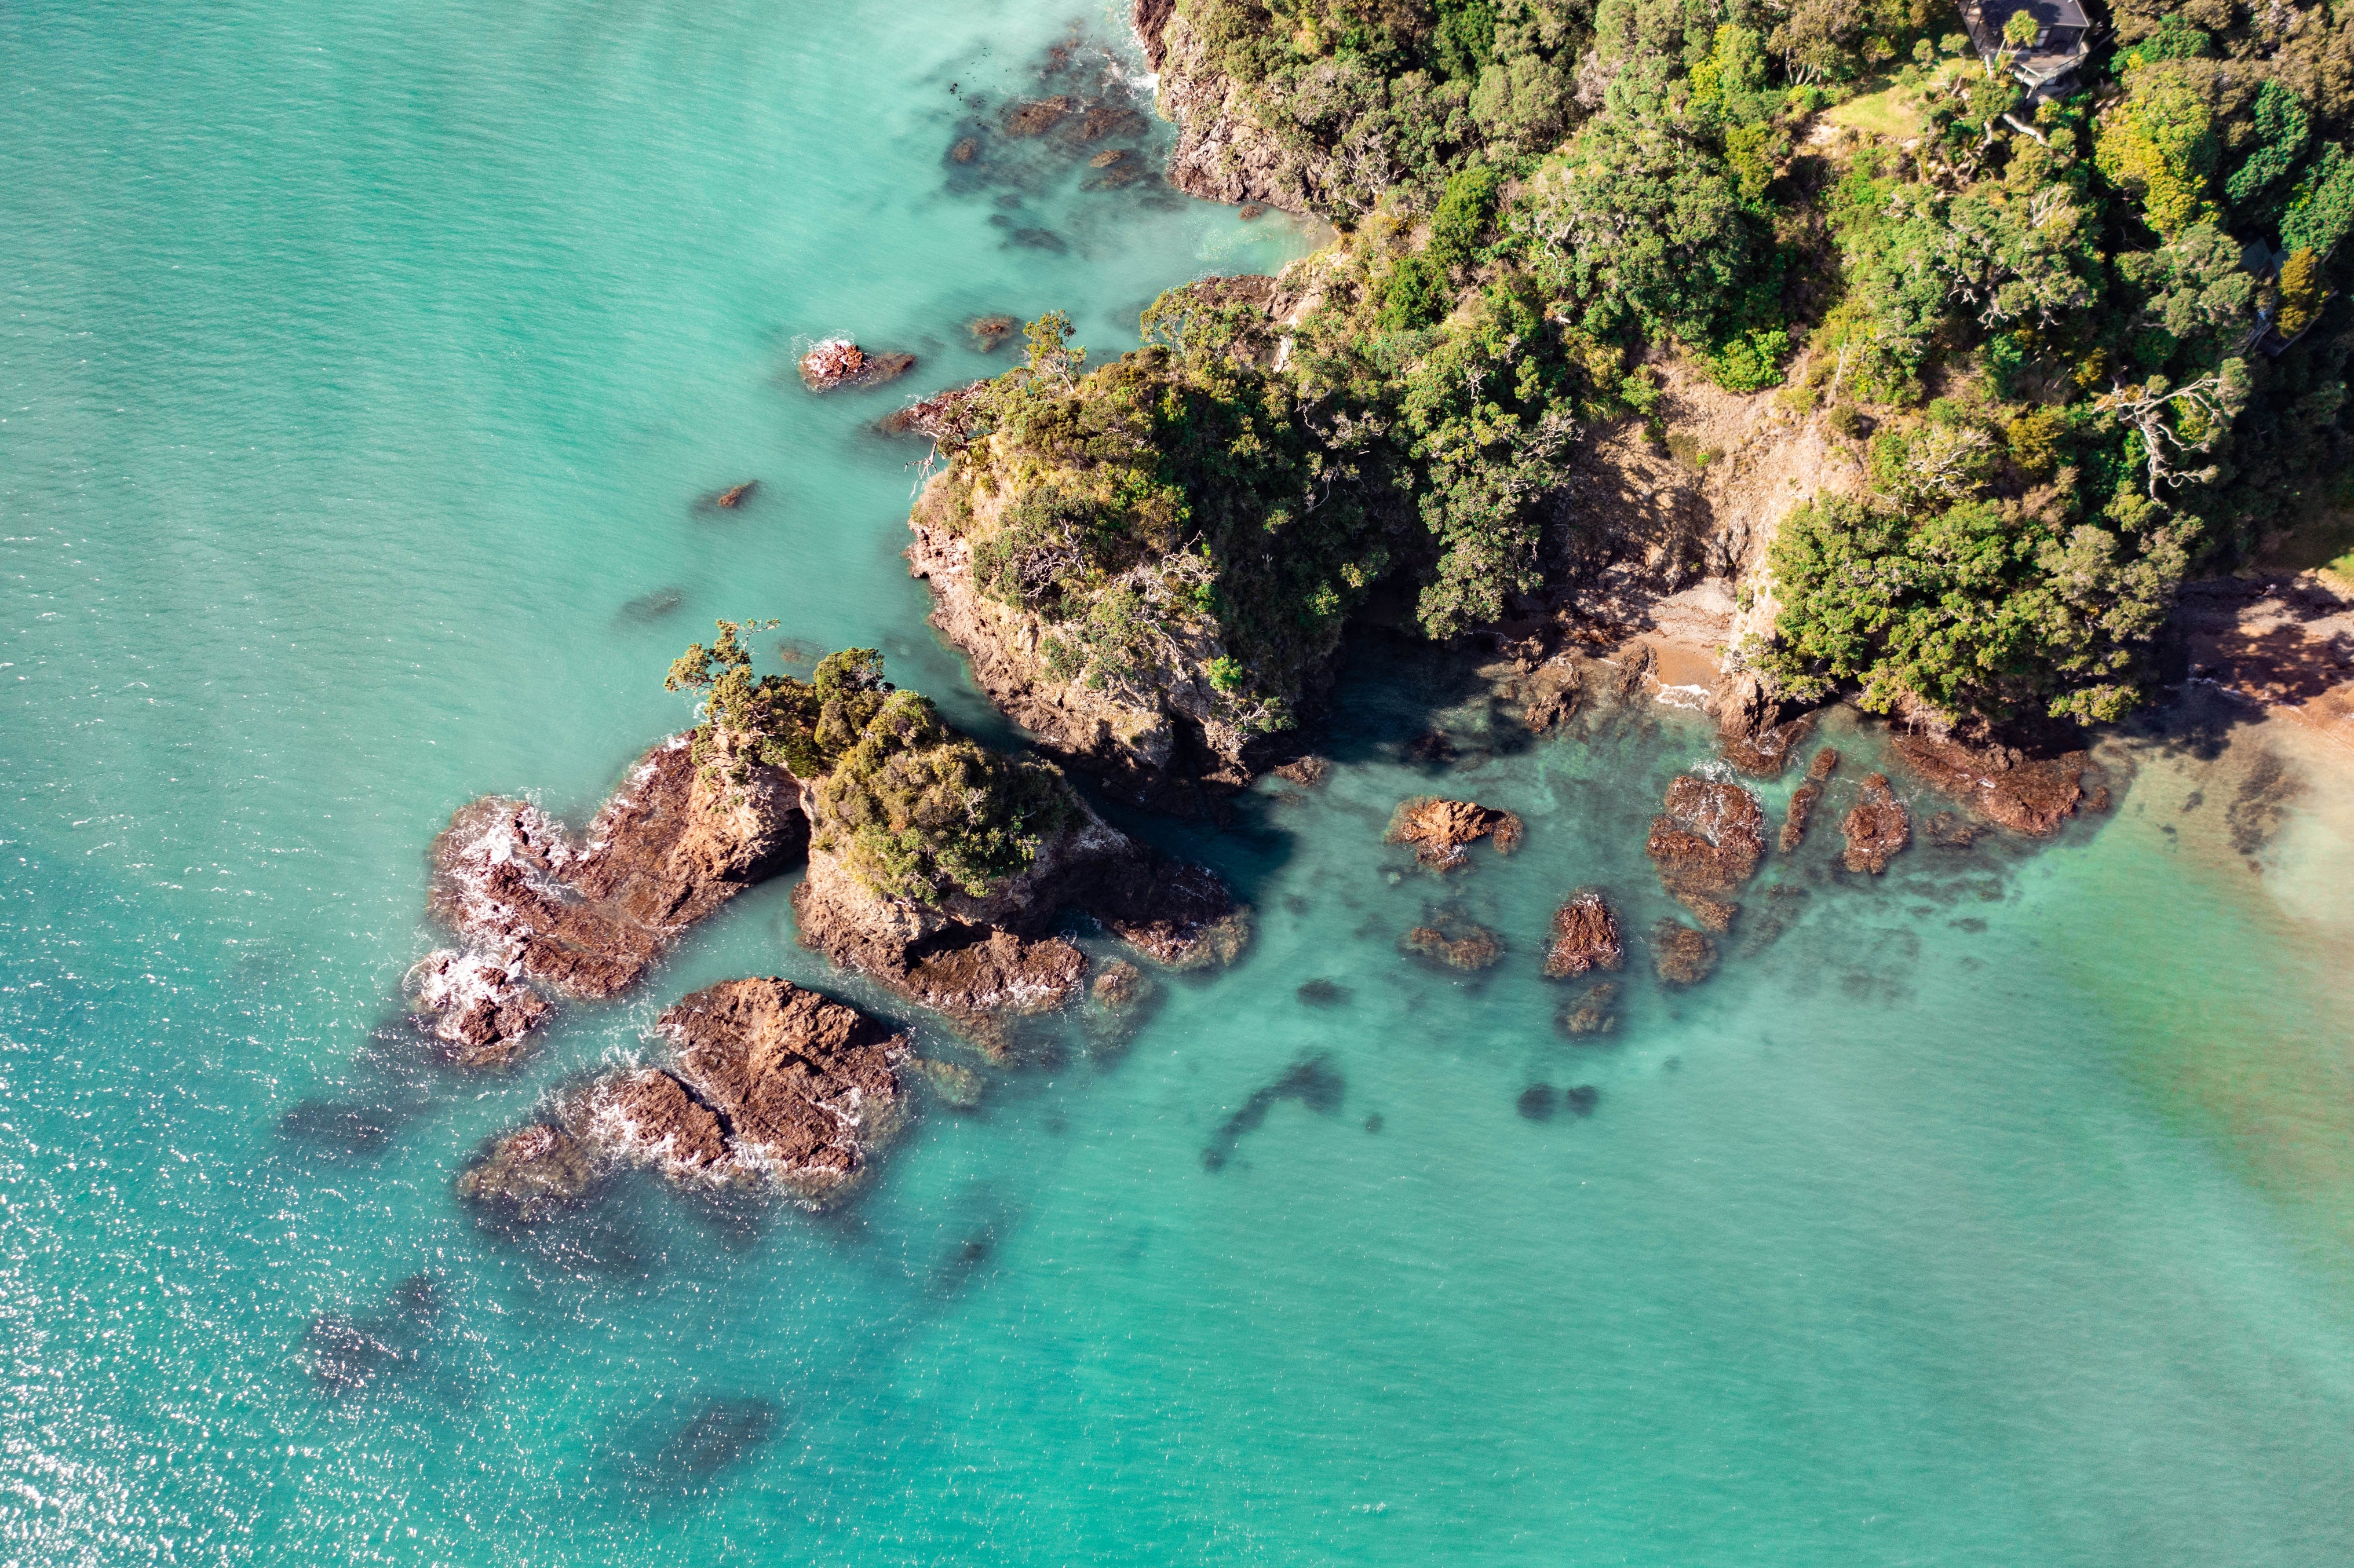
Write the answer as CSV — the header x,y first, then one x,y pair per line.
x,y
1949,830
730,499
1877,827
1585,937
991,333
1680,955
1707,843
1439,829
1308,772
1312,1080
836,362
347,1355
1538,1102
1458,943
1036,116
2027,793
1593,1010
534,1173
1804,799
1323,993
958,1086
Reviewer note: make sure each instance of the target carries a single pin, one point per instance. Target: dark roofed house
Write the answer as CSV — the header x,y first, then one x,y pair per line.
x,y
2064,38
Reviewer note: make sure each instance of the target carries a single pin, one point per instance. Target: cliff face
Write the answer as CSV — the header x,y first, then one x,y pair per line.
x,y
1156,742
1223,154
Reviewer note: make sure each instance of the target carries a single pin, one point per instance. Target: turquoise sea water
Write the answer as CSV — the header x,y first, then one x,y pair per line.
x,y
359,373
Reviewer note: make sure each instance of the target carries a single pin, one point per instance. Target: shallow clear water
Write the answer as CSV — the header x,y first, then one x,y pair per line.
x,y
362,369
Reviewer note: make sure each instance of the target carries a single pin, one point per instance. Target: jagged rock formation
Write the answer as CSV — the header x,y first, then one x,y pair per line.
x,y
1585,937
1707,843
1877,827
1804,799
968,956
583,917
2023,791
837,363
768,1086
1439,829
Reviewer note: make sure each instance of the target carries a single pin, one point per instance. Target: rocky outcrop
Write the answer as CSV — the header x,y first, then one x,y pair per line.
x,y
475,1005
991,333
2025,791
943,416
971,956
1804,799
1160,751
1877,827
1706,844
1439,831
835,363
1585,937
585,916
770,1085
1223,154
1149,18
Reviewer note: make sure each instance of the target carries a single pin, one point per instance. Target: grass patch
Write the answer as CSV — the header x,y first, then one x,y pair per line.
x,y
1888,112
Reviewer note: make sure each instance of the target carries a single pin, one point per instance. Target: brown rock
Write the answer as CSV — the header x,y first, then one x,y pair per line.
x,y
965,151
1949,830
958,1086
1803,800
946,418
1585,937
992,333
2030,794
647,1118
533,1172
837,363
1710,839
1458,943
586,917
1715,915
1036,116
1877,827
1251,212
1151,19
1439,829
803,1087
475,1005
1120,985
1680,955
1307,771
1764,753
1826,762
1550,697
1107,158
730,499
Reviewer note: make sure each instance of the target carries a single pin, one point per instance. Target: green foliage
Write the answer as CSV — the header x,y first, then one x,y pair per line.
x,y
2321,210
2282,128
2161,147
915,809
1463,216
2020,30
1415,293
2301,293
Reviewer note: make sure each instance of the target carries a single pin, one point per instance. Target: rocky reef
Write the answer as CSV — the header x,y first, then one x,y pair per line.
x,y
835,363
2028,791
768,1086
1680,955
585,916
1804,798
1877,827
1706,843
1585,937
1441,831
1455,942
